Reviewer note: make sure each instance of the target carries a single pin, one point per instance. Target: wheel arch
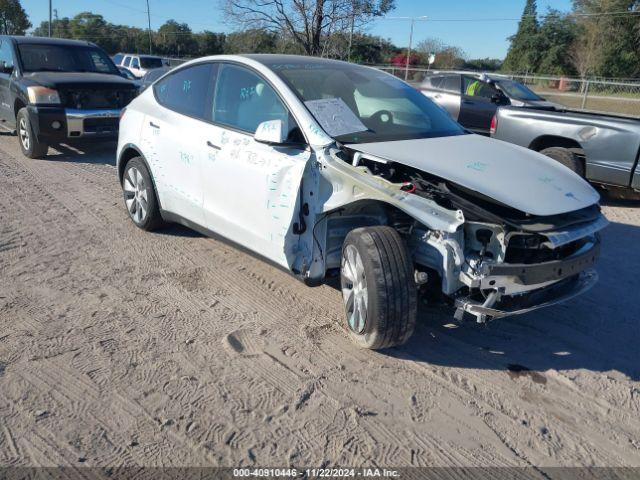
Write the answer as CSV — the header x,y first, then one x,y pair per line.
x,y
18,104
128,152
547,141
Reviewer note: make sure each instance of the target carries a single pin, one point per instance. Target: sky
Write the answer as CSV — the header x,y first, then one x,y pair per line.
x,y
479,27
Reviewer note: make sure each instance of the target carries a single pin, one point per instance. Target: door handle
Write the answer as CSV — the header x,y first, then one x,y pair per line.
x,y
437,95
468,102
153,125
209,144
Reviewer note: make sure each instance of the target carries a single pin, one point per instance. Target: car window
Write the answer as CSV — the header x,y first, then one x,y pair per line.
x,y
517,90
451,84
127,61
473,87
244,100
153,75
151,62
135,63
187,90
117,58
433,82
386,108
64,58
6,54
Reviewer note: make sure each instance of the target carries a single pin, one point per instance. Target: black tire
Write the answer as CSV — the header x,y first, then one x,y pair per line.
x,y
391,291
140,193
29,144
566,157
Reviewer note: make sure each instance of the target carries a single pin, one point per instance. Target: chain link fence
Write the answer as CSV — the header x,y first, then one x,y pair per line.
x,y
597,95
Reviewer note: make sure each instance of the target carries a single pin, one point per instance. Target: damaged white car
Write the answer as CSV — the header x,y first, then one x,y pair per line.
x,y
328,168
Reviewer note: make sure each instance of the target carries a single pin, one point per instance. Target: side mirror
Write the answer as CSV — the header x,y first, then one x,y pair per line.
x,y
6,69
272,132
498,98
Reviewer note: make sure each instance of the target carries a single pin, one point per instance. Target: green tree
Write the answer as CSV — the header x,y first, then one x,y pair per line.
x,y
524,51
616,31
13,18
175,38
557,34
210,43
251,41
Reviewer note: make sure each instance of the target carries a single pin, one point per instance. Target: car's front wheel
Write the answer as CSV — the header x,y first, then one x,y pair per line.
x,y
140,196
378,288
29,144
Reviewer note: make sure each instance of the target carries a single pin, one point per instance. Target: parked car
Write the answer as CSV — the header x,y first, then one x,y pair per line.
x,y
151,76
472,99
139,65
604,149
324,167
56,91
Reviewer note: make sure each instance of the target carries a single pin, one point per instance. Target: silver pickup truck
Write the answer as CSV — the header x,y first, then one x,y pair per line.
x,y
604,149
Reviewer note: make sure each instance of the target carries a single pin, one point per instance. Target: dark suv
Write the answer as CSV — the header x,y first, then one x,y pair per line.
x,y
56,91
473,98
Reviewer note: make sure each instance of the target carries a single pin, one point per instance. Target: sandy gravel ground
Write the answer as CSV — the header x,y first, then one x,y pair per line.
x,y
120,347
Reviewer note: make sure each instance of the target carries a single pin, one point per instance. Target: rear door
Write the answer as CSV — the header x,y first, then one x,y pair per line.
x,y
175,133
477,107
447,94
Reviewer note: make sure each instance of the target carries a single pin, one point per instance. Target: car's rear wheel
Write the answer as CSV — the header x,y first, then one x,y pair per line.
x,y
566,157
378,288
29,144
140,196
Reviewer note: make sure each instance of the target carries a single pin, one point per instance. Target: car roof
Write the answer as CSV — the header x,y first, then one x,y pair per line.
x,y
479,75
269,59
49,41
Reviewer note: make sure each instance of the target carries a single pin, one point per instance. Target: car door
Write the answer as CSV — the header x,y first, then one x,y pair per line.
x,y
174,138
447,94
251,189
477,107
6,74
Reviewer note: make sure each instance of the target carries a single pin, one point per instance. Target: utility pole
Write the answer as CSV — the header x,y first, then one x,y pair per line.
x,y
50,11
413,20
149,20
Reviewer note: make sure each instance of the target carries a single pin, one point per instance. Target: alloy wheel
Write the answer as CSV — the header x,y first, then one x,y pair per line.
x,y
23,131
135,195
354,289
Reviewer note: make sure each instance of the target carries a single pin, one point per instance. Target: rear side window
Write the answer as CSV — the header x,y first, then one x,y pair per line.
x,y
434,82
187,90
118,58
6,54
244,100
451,83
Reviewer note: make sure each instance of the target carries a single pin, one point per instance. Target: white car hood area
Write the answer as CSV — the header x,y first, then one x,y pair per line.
x,y
514,176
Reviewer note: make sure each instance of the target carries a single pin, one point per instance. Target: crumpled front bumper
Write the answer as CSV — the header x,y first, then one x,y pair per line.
x,y
533,300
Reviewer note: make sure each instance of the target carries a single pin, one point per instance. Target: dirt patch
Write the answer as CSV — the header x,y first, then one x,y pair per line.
x,y
128,348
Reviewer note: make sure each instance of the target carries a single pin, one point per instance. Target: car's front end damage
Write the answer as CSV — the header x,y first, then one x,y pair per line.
x,y
488,258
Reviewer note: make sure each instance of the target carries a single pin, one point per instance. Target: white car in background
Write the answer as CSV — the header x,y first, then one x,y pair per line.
x,y
138,65
328,168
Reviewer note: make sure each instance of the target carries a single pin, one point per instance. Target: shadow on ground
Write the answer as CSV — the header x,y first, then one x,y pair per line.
x,y
598,331
96,153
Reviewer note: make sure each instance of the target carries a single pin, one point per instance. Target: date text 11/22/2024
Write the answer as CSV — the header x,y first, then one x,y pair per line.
x,y
316,472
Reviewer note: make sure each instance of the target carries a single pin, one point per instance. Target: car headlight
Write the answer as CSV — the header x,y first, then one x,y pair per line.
x,y
42,95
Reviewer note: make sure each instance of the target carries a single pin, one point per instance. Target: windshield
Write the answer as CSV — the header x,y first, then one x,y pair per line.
x,y
517,90
150,62
64,58
357,104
